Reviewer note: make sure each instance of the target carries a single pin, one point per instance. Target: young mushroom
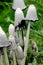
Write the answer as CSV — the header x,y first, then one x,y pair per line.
x,y
31,16
19,53
19,23
34,48
19,16
3,44
12,41
18,4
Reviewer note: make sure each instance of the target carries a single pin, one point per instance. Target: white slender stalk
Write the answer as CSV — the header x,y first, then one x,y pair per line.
x,y
6,57
21,38
1,60
26,45
14,58
27,39
19,61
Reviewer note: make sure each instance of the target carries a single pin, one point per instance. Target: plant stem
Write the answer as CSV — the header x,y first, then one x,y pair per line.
x,y
6,57
21,38
14,58
1,59
19,61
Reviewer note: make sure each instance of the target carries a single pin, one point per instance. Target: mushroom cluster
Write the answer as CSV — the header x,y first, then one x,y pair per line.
x,y
19,26
17,43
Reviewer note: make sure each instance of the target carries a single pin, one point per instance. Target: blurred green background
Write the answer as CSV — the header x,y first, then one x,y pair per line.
x,y
36,31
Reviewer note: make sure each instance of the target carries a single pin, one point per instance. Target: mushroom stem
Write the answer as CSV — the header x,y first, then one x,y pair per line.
x,y
6,57
21,38
14,58
1,59
26,45
19,61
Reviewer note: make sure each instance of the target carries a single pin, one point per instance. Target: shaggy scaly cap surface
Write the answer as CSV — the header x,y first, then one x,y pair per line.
x,y
19,16
32,13
18,4
3,39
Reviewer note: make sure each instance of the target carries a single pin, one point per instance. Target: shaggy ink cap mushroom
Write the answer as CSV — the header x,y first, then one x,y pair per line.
x,y
19,19
31,13
3,39
19,16
18,4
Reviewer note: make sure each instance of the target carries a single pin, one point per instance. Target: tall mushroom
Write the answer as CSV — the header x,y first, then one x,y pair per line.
x,y
19,25
31,16
12,41
3,44
18,20
18,4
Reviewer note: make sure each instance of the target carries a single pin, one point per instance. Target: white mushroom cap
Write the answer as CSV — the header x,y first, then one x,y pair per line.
x,y
11,29
18,4
32,13
19,54
3,39
19,16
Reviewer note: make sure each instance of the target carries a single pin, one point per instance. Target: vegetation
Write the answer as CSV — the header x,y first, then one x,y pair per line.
x,y
36,31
